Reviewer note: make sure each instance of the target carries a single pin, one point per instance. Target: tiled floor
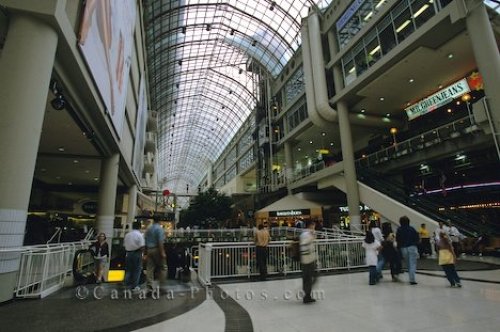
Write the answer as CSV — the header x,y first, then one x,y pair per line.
x,y
345,303
348,303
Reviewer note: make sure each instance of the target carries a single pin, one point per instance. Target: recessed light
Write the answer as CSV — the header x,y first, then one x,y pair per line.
x,y
408,104
448,110
299,149
87,171
96,179
331,143
411,80
382,98
58,178
450,56
310,142
363,110
75,161
388,115
60,149
323,134
440,86
70,183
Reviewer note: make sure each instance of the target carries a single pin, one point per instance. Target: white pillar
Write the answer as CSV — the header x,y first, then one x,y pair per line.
x,y
132,204
25,69
352,189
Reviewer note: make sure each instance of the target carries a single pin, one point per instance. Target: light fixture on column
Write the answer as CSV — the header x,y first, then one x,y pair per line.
x,y
58,103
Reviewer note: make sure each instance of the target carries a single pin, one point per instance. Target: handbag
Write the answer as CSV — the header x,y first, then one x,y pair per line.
x,y
446,257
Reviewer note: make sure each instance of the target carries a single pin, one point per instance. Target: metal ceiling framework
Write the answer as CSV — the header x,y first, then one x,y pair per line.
x,y
198,55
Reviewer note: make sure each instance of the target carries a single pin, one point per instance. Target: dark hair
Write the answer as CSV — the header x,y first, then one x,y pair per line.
x,y
136,225
404,221
369,238
373,224
309,222
386,228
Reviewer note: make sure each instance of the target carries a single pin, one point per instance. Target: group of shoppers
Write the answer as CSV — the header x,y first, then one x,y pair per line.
x,y
382,246
136,245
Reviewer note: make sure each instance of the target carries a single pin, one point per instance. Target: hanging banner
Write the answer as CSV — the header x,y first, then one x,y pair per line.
x,y
438,99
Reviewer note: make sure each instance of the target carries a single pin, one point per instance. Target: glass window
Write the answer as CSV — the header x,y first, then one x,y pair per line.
x,y
403,22
422,11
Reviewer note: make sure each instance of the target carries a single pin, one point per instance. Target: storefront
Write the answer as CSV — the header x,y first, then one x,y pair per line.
x,y
288,210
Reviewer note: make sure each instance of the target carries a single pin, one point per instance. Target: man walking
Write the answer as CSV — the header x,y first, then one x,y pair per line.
x,y
308,260
134,246
155,253
261,239
407,240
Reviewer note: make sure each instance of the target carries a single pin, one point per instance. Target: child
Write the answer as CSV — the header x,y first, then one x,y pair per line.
x,y
372,247
447,259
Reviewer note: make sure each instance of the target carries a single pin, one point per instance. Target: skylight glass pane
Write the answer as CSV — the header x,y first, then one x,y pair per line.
x,y
198,52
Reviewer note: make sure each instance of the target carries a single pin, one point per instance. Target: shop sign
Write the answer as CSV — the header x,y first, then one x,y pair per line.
x,y
361,208
90,207
289,213
353,8
438,99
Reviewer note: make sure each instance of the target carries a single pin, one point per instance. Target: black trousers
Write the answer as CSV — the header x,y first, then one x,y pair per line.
x,y
261,253
308,278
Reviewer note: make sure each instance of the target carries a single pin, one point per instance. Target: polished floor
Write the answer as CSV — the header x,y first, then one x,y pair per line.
x,y
345,303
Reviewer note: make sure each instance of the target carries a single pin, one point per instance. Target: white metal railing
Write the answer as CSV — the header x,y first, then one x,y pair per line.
x,y
246,234
237,259
44,267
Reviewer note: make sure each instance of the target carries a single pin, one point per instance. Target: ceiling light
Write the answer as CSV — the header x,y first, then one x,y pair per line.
x,y
388,115
382,98
60,149
323,134
402,26
96,179
440,86
375,50
363,110
299,149
352,70
450,56
70,183
448,110
420,11
367,17
411,80
380,3
58,178
43,170
331,143
87,171
310,142
75,161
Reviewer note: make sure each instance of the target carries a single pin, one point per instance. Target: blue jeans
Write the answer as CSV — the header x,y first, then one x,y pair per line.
x,y
133,268
373,274
410,255
451,274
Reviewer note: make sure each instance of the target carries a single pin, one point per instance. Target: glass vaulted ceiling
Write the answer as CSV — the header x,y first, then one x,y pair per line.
x,y
198,52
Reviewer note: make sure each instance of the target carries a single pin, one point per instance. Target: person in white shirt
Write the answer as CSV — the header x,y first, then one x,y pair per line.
x,y
134,245
308,260
455,237
442,228
372,248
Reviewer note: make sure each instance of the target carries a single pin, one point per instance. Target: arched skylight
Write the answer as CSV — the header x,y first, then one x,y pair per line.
x,y
198,55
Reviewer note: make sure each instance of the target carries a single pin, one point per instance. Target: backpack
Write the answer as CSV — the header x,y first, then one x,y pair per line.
x,y
294,250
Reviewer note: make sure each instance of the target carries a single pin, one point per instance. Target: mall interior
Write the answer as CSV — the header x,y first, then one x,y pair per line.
x,y
342,111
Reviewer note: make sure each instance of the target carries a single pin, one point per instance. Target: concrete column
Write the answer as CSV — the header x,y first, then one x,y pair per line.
x,y
289,164
338,79
349,167
107,196
25,69
487,56
132,204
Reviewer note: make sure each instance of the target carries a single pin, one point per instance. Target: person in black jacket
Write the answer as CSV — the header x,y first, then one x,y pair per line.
x,y
100,250
407,239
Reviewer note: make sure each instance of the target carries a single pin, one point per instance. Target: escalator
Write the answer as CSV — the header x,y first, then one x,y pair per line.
x,y
435,207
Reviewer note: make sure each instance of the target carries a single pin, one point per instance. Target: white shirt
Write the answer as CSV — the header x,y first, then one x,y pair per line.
x,y
438,230
377,234
307,247
371,252
133,240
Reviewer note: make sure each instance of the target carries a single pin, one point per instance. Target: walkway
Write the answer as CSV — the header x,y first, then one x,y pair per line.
x,y
346,303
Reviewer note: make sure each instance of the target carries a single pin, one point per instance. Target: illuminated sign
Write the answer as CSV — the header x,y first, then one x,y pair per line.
x,y
289,213
361,208
438,99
